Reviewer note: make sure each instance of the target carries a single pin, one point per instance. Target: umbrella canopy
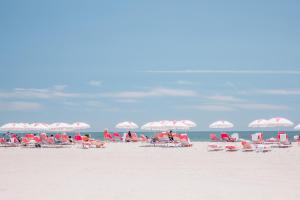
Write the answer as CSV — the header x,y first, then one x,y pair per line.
x,y
60,126
153,126
279,122
221,124
80,125
179,125
127,125
259,123
14,127
189,123
297,127
39,127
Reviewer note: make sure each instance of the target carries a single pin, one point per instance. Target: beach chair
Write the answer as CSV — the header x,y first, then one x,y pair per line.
x,y
4,143
214,147
297,138
108,137
263,148
226,137
143,138
117,136
284,140
246,146
213,137
234,137
257,138
185,140
271,140
231,148
78,138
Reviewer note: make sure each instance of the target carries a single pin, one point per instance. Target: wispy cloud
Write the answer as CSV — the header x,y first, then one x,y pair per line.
x,y
183,82
156,92
214,108
20,106
224,98
279,91
39,93
126,100
238,72
95,83
259,106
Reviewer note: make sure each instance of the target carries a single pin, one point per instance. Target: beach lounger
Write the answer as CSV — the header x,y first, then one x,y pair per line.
x,y
226,137
247,146
143,138
263,148
297,138
185,140
231,148
117,136
214,147
213,137
4,143
235,137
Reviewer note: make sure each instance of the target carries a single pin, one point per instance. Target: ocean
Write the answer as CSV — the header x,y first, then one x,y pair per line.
x,y
198,135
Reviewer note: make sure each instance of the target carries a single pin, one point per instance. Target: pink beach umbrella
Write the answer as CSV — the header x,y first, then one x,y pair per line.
x,y
259,123
279,122
14,127
221,124
152,126
61,127
127,125
80,125
189,123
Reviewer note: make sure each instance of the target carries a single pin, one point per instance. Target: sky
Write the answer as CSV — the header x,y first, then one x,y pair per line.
x,y
103,62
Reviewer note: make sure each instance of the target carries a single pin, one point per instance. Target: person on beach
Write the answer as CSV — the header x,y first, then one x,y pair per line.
x,y
129,137
170,135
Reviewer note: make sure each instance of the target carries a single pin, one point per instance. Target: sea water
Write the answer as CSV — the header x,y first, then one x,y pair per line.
x,y
197,135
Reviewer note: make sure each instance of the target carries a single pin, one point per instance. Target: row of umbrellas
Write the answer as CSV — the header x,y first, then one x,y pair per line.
x,y
58,126
150,126
222,124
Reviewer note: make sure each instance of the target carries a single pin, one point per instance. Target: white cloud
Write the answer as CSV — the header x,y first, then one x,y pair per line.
x,y
156,92
95,83
279,91
126,100
39,93
20,106
224,98
258,106
280,72
214,107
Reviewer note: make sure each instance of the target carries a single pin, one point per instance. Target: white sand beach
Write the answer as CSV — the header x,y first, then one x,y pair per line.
x,y
129,171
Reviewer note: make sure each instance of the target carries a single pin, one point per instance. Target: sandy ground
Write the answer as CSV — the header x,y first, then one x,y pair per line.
x,y
131,171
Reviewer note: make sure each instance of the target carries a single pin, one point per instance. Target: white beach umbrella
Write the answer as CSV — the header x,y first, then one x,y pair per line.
x,y
153,126
297,127
259,123
189,123
80,125
221,124
39,126
179,125
127,125
14,127
167,124
61,126
279,122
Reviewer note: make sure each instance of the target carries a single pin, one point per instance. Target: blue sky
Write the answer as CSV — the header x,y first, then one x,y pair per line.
x,y
107,61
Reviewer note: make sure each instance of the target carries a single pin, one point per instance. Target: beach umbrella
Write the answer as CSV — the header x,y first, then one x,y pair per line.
x,y
39,126
61,127
189,123
127,125
179,125
297,127
14,127
153,126
221,124
279,122
80,125
259,123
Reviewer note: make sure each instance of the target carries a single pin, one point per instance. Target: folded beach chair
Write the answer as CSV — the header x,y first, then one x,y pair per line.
x,y
284,140
213,137
214,147
257,138
108,137
231,147
78,138
247,146
226,137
